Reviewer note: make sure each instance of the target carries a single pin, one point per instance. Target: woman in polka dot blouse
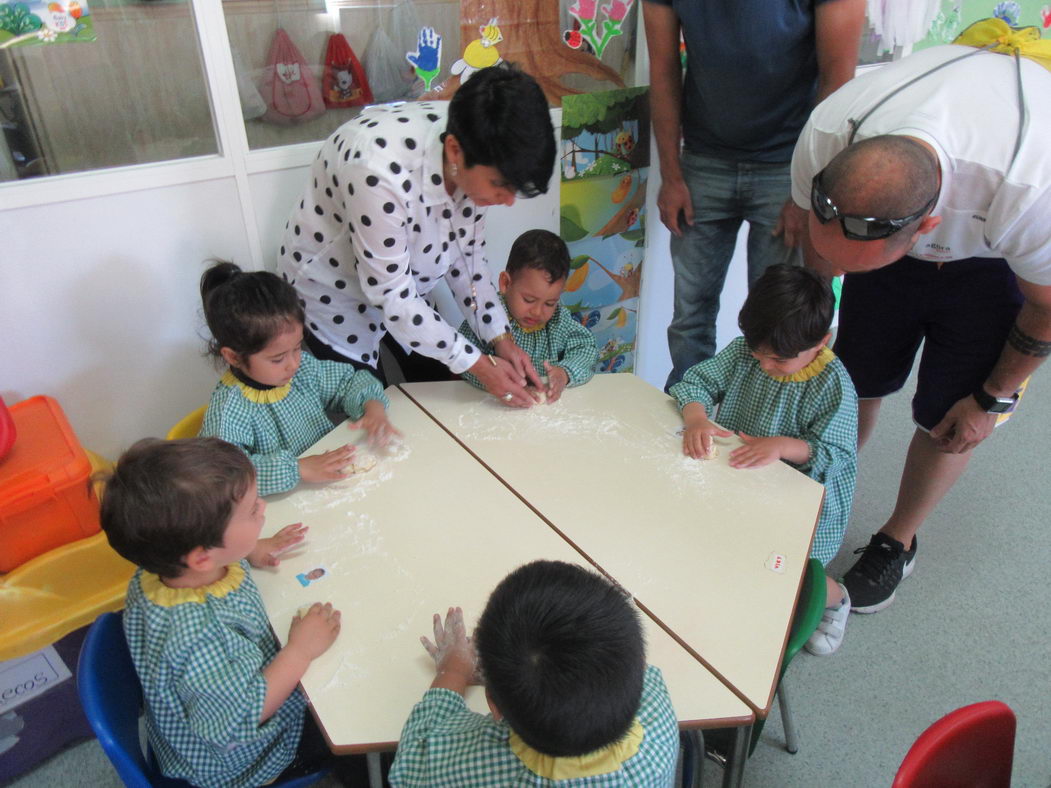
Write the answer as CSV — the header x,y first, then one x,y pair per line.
x,y
396,202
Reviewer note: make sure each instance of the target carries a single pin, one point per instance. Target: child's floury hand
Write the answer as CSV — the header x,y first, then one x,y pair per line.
x,y
327,467
756,452
266,551
452,650
375,424
697,438
557,380
312,634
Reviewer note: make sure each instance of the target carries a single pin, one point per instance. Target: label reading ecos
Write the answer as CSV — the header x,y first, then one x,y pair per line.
x,y
24,678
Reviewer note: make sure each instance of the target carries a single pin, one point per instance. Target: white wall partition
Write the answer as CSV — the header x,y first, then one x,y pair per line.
x,y
98,271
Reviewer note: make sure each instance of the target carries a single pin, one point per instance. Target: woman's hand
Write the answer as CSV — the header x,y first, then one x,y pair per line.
x,y
509,350
375,424
501,380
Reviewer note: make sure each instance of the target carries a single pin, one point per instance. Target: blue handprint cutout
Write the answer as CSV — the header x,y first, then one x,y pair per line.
x,y
428,56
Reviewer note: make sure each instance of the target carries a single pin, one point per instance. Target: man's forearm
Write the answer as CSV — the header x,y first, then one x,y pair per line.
x,y
1028,346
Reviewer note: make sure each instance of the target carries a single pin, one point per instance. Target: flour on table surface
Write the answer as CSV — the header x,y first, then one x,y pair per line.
x,y
551,420
319,497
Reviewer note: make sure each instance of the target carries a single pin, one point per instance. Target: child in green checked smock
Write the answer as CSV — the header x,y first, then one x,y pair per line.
x,y
272,401
572,701
788,398
530,286
222,705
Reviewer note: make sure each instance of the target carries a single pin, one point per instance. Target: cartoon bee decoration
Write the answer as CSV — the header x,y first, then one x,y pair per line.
x,y
480,53
624,144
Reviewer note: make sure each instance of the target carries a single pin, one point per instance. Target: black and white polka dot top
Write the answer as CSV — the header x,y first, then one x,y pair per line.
x,y
375,231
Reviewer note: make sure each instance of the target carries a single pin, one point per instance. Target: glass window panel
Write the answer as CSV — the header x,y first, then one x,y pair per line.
x,y
134,94
532,33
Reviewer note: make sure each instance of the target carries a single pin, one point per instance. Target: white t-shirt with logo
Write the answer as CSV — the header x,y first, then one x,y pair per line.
x,y
990,204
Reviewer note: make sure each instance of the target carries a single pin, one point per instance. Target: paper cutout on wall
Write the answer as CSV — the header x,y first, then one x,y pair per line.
x,y
37,22
480,53
585,12
427,59
344,84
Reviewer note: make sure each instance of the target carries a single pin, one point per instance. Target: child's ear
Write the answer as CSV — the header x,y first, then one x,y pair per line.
x,y
230,356
504,280
492,706
199,560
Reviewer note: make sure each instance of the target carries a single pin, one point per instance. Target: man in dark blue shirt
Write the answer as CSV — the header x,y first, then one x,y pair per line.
x,y
754,70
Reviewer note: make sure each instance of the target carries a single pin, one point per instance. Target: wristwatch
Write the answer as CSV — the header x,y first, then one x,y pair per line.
x,y
991,404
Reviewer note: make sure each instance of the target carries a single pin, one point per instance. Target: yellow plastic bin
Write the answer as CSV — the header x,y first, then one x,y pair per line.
x,y
60,591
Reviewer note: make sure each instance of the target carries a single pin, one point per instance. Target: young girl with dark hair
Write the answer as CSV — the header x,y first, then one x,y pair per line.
x,y
273,400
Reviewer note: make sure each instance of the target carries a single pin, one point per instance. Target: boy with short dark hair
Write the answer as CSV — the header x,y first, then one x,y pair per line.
x,y
530,286
573,702
789,398
222,707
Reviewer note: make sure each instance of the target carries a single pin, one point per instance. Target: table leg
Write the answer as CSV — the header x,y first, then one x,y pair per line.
x,y
733,775
375,773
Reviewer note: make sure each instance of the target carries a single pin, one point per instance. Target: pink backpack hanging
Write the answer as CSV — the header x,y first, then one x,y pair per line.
x,y
291,92
344,83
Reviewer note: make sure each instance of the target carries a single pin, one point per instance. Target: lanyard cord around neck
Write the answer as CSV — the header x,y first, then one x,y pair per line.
x,y
1023,112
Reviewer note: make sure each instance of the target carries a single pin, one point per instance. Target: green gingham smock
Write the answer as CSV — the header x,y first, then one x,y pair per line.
x,y
818,405
273,426
200,653
446,744
562,341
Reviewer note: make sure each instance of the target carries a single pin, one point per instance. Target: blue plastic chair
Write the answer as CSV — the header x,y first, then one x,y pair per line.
x,y
111,695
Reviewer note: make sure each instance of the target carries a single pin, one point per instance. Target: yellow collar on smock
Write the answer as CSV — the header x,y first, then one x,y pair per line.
x,y
604,761
259,396
165,596
823,358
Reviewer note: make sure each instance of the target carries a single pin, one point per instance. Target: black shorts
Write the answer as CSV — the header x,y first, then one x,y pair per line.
x,y
961,311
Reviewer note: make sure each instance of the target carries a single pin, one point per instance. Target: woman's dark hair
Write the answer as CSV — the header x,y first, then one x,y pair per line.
x,y
245,310
501,119
166,498
562,652
788,310
542,250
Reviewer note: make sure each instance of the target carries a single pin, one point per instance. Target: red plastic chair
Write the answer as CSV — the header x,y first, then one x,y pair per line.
x,y
972,747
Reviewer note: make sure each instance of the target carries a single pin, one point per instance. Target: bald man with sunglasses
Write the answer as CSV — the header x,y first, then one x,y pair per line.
x,y
927,182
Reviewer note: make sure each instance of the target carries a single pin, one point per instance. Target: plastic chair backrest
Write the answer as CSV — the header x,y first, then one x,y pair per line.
x,y
111,695
972,747
809,608
189,425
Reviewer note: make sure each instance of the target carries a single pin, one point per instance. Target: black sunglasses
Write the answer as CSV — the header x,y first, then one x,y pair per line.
x,y
858,228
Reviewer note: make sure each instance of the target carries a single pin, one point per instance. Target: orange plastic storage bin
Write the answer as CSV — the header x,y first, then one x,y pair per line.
x,y
45,497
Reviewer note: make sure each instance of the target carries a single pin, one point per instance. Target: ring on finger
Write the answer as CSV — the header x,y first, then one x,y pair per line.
x,y
508,397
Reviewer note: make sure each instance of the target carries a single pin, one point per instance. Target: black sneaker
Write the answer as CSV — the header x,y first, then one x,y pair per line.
x,y
871,582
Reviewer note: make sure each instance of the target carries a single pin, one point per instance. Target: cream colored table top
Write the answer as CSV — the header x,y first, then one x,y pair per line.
x,y
693,540
426,528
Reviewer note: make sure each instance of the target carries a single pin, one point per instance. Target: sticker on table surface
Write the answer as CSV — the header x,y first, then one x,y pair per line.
x,y
312,576
776,563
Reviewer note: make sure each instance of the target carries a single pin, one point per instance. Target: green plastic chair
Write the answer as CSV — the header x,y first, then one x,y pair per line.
x,y
809,609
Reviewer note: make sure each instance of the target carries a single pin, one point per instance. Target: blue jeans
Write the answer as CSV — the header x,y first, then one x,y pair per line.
x,y
724,193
